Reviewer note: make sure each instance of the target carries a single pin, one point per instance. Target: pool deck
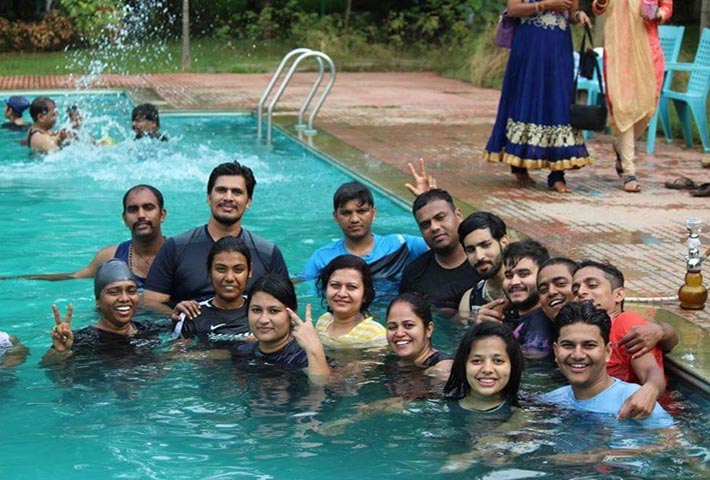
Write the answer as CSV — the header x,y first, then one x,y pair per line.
x,y
388,119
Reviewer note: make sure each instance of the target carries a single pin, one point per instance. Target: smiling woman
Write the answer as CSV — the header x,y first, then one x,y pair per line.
x,y
224,316
347,287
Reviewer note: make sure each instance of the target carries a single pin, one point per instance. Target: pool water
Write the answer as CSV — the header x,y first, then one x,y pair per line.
x,y
159,415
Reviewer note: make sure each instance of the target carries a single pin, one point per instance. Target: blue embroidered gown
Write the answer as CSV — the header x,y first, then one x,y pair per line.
x,y
532,126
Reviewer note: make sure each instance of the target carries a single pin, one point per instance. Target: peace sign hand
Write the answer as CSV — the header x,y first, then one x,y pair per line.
x,y
62,335
422,182
303,331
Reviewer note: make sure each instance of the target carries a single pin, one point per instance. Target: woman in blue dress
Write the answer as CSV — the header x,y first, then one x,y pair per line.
x,y
532,127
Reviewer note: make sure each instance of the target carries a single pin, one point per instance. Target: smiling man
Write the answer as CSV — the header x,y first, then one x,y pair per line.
x,y
179,271
554,285
603,285
582,349
521,262
143,214
354,211
40,137
442,273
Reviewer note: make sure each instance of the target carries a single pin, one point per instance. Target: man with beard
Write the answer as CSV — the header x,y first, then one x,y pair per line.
x,y
179,271
386,255
521,262
483,236
442,274
143,214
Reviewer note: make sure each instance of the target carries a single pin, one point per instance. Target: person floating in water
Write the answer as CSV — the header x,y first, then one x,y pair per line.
x,y
145,122
117,300
14,108
143,214
40,137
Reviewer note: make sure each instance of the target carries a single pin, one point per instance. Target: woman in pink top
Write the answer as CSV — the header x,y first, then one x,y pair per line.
x,y
632,56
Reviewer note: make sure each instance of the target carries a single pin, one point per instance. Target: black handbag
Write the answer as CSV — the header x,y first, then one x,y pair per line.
x,y
588,117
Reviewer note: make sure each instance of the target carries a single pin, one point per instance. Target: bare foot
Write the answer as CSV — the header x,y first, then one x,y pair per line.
x,y
524,179
561,187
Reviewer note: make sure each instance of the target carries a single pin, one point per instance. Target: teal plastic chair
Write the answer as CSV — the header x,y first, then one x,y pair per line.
x,y
671,39
693,100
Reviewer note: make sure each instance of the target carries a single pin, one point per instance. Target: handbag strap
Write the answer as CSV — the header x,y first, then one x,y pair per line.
x,y
587,33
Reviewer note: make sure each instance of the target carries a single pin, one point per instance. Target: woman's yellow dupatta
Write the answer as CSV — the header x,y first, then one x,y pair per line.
x,y
630,76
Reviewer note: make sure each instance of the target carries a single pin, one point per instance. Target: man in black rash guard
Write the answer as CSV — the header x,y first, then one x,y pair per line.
x,y
179,271
117,299
443,273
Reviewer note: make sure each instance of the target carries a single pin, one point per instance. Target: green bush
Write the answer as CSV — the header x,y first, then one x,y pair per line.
x,y
95,20
54,32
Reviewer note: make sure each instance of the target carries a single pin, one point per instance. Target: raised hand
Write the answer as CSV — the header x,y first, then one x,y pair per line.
x,y
422,181
304,332
62,336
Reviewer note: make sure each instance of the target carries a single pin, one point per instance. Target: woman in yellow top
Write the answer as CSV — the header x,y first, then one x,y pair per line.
x,y
633,69
347,287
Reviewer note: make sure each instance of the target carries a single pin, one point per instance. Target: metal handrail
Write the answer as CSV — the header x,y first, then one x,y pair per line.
x,y
326,91
302,53
271,84
300,125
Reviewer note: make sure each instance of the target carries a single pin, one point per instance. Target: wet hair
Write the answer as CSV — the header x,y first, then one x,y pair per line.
x,y
481,220
228,244
569,264
582,312
417,302
276,285
457,386
352,191
232,169
143,186
40,106
611,273
516,251
343,262
431,195
73,110
146,111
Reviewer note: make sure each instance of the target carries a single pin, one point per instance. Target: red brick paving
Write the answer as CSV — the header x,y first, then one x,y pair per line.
x,y
399,117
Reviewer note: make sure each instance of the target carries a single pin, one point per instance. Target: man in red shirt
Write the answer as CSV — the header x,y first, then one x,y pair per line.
x,y
604,285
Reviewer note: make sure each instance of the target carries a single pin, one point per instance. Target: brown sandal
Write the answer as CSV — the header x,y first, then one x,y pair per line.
x,y
681,183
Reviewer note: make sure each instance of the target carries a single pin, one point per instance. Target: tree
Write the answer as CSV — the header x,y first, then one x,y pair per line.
x,y
186,62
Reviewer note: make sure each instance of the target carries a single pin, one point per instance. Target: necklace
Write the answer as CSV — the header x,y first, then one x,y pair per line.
x,y
146,261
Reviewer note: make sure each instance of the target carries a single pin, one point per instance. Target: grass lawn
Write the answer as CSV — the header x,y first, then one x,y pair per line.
x,y
208,56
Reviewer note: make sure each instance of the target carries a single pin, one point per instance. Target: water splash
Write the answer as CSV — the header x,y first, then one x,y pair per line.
x,y
137,40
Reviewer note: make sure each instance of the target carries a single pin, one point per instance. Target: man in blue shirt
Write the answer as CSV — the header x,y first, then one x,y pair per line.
x,y
354,211
582,350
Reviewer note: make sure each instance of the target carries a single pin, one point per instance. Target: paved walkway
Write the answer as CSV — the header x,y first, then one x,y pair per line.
x,y
396,118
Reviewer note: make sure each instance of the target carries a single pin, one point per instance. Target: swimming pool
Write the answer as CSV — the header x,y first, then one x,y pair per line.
x,y
160,416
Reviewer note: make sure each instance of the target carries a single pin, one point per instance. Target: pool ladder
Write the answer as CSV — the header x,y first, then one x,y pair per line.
x,y
322,60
